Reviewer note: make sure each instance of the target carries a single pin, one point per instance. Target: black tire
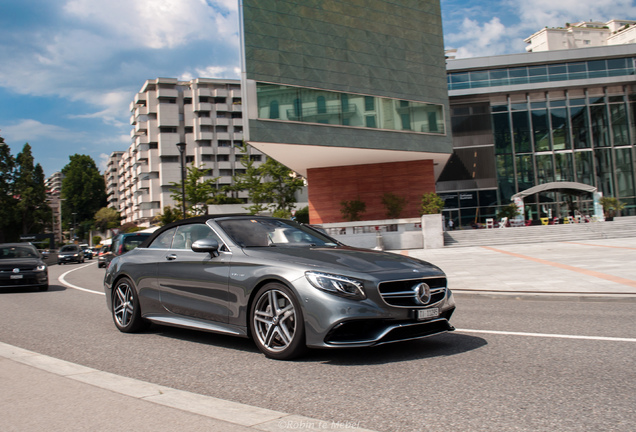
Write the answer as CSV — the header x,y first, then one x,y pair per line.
x,y
125,307
44,287
279,332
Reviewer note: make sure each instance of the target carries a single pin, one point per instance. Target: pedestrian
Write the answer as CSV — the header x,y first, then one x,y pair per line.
x,y
450,224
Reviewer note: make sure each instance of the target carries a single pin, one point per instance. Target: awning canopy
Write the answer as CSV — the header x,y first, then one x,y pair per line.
x,y
563,187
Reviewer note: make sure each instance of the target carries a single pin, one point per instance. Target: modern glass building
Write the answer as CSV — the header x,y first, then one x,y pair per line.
x,y
523,120
351,95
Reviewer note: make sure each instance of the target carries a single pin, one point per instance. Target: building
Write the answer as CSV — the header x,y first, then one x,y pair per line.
x,y
585,34
205,114
523,120
111,177
53,187
350,95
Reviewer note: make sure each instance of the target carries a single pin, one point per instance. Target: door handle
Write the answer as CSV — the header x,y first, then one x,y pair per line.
x,y
171,257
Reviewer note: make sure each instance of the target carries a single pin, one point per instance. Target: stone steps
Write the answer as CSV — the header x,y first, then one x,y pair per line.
x,y
618,228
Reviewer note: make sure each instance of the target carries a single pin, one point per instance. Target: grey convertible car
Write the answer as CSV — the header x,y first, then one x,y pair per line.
x,y
285,285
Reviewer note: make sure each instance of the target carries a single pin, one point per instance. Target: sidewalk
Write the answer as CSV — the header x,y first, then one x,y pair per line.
x,y
43,393
588,269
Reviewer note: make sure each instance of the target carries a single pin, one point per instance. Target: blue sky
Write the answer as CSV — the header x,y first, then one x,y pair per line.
x,y
69,68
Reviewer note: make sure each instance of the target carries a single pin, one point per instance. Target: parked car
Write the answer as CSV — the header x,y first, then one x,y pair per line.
x,y
102,256
123,243
21,265
285,285
70,253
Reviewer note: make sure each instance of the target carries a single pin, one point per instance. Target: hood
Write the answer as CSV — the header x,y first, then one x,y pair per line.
x,y
11,263
345,258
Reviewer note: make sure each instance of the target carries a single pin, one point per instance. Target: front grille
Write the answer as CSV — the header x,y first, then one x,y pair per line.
x,y
23,268
402,293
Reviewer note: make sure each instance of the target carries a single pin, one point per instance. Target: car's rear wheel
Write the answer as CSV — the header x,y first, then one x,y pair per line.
x,y
125,307
276,322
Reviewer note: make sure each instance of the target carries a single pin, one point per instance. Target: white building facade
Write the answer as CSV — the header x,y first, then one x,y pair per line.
x,y
206,114
585,34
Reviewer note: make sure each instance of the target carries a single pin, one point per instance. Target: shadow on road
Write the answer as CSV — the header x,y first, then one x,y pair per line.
x,y
435,346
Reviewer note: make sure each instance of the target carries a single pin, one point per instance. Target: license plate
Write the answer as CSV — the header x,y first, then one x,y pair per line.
x,y
423,314
17,276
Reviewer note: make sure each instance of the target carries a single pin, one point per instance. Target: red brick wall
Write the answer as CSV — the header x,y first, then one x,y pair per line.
x,y
328,187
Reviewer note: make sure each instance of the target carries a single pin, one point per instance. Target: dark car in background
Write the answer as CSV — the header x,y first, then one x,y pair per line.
x,y
123,243
21,265
70,253
102,255
285,285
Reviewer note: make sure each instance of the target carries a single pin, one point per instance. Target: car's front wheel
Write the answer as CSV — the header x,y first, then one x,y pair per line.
x,y
276,322
125,307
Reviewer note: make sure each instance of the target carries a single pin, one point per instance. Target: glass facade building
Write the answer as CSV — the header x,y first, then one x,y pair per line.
x,y
528,119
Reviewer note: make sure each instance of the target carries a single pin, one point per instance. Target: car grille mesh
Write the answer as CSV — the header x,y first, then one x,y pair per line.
x,y
402,293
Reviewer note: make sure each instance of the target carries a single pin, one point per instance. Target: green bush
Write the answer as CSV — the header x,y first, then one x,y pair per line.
x,y
351,210
431,204
394,205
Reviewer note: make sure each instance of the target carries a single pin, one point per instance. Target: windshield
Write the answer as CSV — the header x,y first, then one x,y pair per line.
x,y
7,252
69,248
257,232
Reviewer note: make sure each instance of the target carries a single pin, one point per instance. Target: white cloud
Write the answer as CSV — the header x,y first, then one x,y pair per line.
x,y
158,23
28,129
476,40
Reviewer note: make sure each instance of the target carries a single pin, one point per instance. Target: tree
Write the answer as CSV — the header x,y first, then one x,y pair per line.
x,y
8,202
431,203
83,191
33,210
351,210
198,192
509,211
252,182
611,206
107,218
169,214
394,205
270,187
280,186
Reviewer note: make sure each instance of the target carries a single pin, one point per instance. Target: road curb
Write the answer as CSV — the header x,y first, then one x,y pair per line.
x,y
521,295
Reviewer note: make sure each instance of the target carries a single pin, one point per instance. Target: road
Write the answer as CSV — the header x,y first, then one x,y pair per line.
x,y
499,372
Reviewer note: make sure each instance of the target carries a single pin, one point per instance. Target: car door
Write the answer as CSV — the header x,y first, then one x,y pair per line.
x,y
194,284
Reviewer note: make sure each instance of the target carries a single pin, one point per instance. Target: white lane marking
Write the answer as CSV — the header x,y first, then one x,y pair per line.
x,y
70,285
548,335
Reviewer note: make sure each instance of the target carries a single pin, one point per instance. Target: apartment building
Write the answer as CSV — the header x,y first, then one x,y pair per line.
x,y
585,34
205,114
53,187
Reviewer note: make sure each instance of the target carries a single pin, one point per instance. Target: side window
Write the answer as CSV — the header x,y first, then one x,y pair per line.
x,y
188,234
164,240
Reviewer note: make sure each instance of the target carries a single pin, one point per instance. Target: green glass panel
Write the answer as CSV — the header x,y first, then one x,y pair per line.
x,y
541,130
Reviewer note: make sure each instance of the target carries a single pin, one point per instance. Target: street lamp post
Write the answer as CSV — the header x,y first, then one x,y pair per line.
x,y
182,147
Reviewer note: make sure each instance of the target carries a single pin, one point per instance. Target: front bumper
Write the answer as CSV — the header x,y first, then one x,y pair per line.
x,y
333,321
28,280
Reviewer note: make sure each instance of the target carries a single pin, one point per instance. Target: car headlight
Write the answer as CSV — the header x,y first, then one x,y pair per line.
x,y
336,284
40,268
76,255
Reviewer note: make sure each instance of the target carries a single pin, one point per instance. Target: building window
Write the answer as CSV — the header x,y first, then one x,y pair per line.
x,y
168,129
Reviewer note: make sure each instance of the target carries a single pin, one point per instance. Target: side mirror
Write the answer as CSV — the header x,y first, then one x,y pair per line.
x,y
210,246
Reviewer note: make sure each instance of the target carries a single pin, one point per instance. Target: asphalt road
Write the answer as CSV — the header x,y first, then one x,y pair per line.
x,y
504,379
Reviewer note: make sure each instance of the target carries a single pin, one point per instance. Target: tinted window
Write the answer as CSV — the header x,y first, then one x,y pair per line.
x,y
18,252
272,232
164,240
188,234
131,242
